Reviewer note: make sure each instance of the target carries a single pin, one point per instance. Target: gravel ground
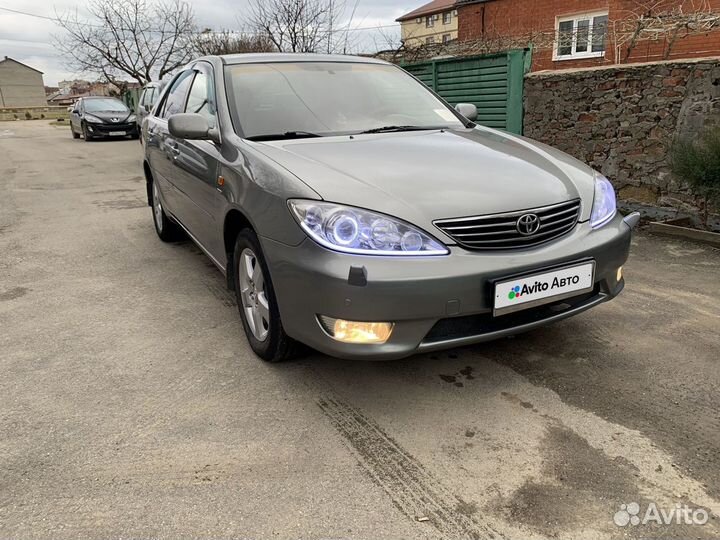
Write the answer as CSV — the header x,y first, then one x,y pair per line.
x,y
132,406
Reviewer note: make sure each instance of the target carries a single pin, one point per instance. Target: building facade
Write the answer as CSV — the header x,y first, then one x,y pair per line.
x,y
430,24
572,33
20,85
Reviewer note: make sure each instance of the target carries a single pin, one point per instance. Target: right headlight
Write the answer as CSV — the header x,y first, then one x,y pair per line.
x,y
362,232
92,119
604,203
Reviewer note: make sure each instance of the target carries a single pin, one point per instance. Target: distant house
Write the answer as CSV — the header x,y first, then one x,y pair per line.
x,y
64,100
572,34
20,85
430,24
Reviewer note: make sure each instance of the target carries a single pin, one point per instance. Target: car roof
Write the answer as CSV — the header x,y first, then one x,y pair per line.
x,y
255,58
103,97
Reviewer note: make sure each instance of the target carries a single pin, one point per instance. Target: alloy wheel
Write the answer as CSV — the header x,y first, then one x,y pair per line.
x,y
256,306
157,207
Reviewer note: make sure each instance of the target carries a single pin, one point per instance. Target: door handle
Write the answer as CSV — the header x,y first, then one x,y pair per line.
x,y
174,149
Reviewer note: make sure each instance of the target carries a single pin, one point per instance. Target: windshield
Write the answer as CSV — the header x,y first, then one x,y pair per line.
x,y
105,105
327,98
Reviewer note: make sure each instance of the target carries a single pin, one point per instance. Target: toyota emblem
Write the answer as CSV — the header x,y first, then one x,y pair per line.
x,y
528,224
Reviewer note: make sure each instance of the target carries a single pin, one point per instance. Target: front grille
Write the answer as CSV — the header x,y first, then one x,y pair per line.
x,y
500,231
107,128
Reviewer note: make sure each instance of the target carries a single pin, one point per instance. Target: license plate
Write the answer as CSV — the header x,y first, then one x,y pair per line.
x,y
116,133
536,289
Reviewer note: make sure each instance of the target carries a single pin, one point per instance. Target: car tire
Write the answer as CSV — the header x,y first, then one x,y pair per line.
x,y
86,134
74,134
167,230
254,289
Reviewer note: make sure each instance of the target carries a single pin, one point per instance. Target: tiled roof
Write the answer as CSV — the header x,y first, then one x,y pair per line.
x,y
436,6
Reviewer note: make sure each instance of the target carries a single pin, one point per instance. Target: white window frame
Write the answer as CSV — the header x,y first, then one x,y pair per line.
x,y
575,18
429,21
447,17
448,36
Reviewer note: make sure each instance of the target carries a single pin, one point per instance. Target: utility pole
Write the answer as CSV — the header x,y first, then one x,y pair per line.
x,y
330,27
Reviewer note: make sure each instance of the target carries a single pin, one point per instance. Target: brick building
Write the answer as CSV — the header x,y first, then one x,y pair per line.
x,y
572,33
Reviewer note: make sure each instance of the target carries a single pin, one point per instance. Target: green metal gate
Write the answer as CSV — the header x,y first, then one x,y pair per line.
x,y
493,83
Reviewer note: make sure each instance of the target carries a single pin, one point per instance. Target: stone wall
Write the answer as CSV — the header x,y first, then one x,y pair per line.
x,y
621,120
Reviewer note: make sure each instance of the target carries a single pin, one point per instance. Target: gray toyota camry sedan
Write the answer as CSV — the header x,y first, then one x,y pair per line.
x,y
354,211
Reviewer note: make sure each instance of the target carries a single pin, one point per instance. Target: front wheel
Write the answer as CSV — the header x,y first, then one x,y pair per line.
x,y
86,133
74,133
257,303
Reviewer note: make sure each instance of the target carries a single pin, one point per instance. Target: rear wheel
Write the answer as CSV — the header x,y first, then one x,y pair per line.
x,y
166,229
257,303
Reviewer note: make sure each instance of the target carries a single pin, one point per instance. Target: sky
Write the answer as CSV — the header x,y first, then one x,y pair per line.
x,y
30,39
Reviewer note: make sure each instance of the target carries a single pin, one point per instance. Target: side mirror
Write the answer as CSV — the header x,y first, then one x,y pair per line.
x,y
468,110
191,126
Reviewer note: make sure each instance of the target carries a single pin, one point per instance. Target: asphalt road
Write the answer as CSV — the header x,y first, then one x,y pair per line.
x,y
131,405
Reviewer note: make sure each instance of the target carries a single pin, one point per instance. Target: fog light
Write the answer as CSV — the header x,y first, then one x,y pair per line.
x,y
357,332
619,275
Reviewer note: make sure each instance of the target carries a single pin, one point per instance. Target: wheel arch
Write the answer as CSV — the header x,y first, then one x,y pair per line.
x,y
235,221
148,181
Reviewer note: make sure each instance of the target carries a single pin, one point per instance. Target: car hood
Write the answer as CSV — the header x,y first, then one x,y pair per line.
x,y
429,175
108,117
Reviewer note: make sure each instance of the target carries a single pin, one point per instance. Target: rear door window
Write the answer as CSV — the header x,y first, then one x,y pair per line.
x,y
175,100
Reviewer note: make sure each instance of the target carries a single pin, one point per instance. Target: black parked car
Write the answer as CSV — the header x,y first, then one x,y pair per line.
x,y
102,117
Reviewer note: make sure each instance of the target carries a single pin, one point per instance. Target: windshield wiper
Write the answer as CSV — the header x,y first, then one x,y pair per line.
x,y
392,129
286,135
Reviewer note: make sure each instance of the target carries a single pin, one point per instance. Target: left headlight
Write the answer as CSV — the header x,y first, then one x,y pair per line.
x,y
604,204
131,118
354,230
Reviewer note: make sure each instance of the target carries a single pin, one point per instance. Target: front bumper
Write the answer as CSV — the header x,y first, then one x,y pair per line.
x,y
435,302
104,130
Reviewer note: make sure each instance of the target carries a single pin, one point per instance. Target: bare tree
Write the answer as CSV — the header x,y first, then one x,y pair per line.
x,y
141,39
661,20
389,45
298,25
209,42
